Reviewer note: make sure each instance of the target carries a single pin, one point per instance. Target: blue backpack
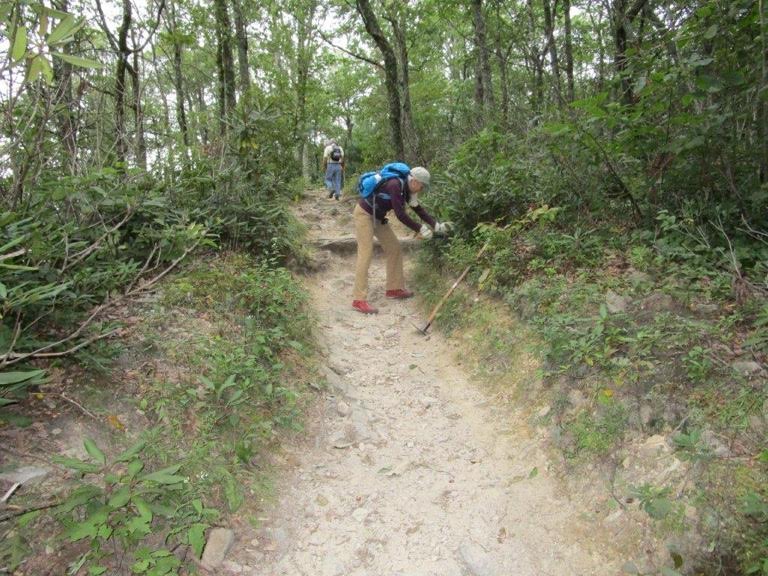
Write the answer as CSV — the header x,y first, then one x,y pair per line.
x,y
370,181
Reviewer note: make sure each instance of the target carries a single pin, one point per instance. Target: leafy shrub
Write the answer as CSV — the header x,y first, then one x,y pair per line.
x,y
123,513
81,242
237,383
104,234
491,179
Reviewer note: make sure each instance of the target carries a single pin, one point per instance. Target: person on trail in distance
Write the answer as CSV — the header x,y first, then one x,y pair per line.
x,y
393,194
333,164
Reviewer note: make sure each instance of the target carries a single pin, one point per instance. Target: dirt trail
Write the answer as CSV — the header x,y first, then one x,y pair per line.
x,y
412,470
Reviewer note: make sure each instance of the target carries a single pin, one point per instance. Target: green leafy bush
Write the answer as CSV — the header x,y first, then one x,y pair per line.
x,y
126,510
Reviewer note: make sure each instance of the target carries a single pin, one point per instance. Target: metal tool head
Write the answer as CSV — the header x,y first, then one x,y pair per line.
x,y
423,329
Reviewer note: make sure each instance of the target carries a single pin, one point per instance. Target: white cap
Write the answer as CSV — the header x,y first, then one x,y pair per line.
x,y
421,174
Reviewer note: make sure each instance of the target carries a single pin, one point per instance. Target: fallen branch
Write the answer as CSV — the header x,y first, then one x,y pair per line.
x,y
16,333
82,255
757,234
162,274
12,358
68,399
143,268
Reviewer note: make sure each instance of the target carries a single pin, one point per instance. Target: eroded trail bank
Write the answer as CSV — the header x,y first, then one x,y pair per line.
x,y
411,469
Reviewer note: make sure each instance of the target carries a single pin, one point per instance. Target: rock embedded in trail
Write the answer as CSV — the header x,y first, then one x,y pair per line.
x,y
476,560
746,367
344,438
343,409
616,303
360,514
220,540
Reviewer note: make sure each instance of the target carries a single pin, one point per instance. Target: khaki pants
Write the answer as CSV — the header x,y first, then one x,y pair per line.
x,y
364,232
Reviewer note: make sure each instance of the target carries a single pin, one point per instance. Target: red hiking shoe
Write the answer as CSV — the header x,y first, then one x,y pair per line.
x,y
364,307
399,294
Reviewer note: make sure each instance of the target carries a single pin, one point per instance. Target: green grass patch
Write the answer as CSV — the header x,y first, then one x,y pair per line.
x,y
598,433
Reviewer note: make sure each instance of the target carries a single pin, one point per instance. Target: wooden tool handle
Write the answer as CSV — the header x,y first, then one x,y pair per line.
x,y
453,287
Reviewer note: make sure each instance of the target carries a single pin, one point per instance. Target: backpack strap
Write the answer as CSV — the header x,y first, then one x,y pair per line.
x,y
370,200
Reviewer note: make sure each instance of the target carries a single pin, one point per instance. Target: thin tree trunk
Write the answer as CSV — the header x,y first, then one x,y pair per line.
x,y
138,111
622,16
762,106
537,63
410,136
64,103
203,107
225,65
349,125
178,80
549,29
502,57
571,91
597,26
303,61
390,74
181,113
122,66
484,98
242,46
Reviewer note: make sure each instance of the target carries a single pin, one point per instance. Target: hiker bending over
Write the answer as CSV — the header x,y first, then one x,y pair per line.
x,y
333,164
393,194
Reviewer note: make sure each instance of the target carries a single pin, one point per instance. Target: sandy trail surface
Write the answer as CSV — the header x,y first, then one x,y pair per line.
x,y
410,468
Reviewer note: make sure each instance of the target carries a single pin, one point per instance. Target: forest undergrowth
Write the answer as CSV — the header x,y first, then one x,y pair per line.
x,y
182,414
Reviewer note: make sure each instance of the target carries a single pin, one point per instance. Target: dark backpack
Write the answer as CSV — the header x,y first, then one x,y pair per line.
x,y
335,153
370,181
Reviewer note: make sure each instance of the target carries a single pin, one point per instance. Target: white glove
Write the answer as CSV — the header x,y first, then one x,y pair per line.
x,y
425,232
443,228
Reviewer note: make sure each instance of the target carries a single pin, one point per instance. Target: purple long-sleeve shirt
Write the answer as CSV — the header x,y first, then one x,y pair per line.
x,y
390,196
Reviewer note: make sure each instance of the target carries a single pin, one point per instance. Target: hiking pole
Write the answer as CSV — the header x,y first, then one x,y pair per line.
x,y
436,309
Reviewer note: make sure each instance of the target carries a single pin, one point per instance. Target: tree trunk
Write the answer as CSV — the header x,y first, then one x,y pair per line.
x,y
242,46
597,26
203,111
138,112
622,15
762,110
348,125
408,127
484,99
225,65
537,64
123,52
178,79
390,74
303,62
571,91
620,49
549,29
502,57
64,103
